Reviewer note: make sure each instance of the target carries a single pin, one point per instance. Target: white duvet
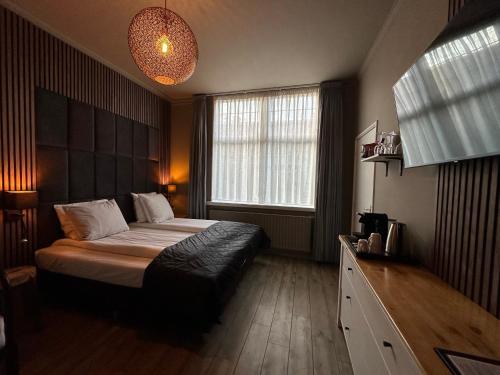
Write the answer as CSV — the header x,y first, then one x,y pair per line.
x,y
138,242
178,224
120,258
145,240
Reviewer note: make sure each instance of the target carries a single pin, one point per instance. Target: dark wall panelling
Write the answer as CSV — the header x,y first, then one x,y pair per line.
x,y
467,244
454,7
71,169
30,58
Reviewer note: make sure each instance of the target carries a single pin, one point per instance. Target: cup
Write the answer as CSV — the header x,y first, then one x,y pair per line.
x,y
362,246
375,243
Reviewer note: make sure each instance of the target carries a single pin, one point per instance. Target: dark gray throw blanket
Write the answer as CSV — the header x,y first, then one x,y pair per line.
x,y
194,277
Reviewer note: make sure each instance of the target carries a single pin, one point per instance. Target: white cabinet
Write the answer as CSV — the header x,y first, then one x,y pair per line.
x,y
375,345
364,353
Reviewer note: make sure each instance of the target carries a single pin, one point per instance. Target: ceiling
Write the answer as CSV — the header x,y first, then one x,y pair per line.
x,y
243,44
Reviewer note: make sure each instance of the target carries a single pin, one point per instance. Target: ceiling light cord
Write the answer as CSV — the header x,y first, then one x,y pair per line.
x,y
166,15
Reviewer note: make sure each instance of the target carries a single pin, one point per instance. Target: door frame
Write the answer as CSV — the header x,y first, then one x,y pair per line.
x,y
374,125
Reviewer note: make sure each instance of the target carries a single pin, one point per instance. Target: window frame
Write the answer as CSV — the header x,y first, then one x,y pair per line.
x,y
213,202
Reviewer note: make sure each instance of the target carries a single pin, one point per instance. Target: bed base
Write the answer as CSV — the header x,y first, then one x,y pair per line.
x,y
90,295
120,302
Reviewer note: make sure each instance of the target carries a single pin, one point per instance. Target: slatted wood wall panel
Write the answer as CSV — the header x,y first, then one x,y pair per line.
x,y
29,58
454,7
467,244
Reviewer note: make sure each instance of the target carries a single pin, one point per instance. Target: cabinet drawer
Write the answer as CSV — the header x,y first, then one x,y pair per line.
x,y
364,344
348,264
345,308
365,355
394,350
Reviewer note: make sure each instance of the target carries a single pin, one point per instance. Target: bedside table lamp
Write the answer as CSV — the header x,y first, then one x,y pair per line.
x,y
171,190
14,204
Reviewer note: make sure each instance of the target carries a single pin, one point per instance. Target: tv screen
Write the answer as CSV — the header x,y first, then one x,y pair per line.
x,y
448,102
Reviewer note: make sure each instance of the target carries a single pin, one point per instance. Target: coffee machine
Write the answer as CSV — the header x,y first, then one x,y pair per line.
x,y
373,223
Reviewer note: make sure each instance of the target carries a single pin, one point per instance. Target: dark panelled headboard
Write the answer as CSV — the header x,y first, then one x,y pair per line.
x,y
85,153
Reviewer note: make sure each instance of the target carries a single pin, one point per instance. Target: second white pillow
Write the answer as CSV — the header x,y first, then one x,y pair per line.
x,y
140,213
66,224
156,208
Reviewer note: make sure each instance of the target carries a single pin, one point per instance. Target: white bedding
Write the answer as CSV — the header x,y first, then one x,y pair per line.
x,y
178,224
121,258
138,242
94,265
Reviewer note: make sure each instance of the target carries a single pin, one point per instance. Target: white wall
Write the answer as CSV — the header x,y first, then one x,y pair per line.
x,y
180,143
408,31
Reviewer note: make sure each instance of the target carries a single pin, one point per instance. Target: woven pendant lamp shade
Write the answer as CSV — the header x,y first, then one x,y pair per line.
x,y
163,45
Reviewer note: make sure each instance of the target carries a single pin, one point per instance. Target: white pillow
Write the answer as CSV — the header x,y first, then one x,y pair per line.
x,y
96,221
156,208
66,224
139,209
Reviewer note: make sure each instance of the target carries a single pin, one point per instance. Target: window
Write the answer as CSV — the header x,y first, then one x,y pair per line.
x,y
264,148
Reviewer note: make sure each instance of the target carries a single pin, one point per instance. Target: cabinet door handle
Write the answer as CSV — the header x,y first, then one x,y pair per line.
x,y
349,269
348,297
386,344
346,328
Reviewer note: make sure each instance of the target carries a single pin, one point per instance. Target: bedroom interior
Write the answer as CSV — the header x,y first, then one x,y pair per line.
x,y
183,191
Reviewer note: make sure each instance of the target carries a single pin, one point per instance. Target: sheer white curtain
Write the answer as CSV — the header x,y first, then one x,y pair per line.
x,y
265,147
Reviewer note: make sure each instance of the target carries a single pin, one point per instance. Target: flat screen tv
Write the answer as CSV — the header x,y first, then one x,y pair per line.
x,y
448,102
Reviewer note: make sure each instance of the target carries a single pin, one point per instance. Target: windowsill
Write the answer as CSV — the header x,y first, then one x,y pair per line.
x,y
261,206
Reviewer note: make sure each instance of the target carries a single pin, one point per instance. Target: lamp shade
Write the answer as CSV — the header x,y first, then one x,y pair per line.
x,y
163,45
171,188
20,200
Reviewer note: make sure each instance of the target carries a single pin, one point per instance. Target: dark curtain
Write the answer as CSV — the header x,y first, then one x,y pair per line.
x,y
328,219
198,162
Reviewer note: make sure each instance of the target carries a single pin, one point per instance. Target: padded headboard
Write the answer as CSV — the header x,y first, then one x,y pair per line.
x,y
85,153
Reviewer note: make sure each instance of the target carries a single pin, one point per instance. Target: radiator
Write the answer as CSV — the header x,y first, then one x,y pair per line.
x,y
287,232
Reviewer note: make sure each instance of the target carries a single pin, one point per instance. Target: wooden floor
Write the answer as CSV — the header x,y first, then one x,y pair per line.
x,y
281,320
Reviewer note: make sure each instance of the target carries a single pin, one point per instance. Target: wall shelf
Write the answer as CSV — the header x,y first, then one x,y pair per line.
x,y
386,159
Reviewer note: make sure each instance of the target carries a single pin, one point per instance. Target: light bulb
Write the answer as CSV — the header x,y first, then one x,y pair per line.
x,y
164,46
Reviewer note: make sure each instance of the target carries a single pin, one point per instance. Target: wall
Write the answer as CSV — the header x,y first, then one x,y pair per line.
x,y
408,31
180,133
30,58
467,250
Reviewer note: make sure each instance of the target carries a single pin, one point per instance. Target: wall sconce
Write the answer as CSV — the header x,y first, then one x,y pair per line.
x,y
14,204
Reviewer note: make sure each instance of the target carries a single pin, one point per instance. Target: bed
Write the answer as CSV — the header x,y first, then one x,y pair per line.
x,y
85,153
183,267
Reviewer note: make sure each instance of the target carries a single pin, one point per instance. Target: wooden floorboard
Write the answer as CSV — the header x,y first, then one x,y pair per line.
x,y
300,357
281,320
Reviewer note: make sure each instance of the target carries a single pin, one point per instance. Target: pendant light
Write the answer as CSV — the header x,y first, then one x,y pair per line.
x,y
163,45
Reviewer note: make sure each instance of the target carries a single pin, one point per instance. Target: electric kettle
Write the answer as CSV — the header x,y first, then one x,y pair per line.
x,y
394,239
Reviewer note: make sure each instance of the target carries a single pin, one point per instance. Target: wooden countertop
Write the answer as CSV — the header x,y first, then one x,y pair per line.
x,y
429,313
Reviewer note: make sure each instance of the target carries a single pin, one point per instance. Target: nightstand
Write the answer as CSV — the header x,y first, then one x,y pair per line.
x,y
20,312
23,299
